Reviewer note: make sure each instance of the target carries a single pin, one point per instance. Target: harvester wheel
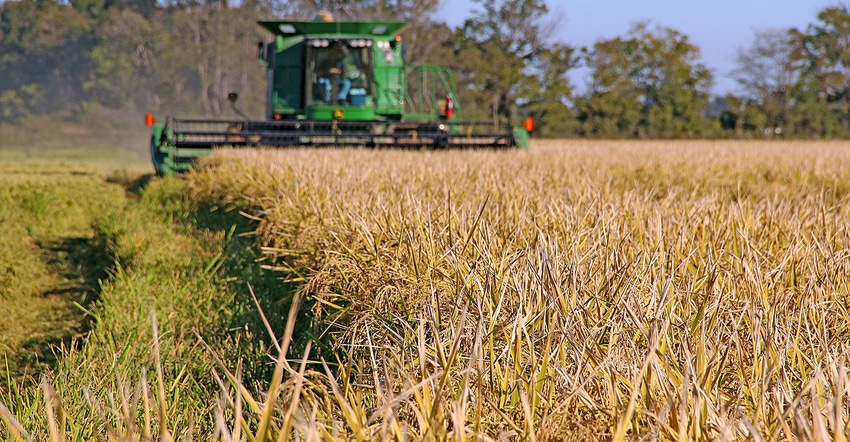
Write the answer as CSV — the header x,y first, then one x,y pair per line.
x,y
157,158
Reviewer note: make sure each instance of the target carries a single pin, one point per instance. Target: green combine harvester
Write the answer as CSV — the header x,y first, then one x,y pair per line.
x,y
337,84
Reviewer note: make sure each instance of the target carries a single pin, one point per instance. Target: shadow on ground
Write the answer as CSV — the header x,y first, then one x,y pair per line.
x,y
81,264
133,184
242,265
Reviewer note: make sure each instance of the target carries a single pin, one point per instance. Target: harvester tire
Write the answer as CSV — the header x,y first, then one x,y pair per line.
x,y
157,158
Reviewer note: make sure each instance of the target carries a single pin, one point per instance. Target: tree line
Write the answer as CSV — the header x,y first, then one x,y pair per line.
x,y
74,58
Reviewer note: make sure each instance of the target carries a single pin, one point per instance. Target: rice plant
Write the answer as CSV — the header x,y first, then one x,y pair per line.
x,y
614,290
585,290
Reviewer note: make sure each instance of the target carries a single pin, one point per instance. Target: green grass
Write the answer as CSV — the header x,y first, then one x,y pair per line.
x,y
50,262
92,250
54,182
185,269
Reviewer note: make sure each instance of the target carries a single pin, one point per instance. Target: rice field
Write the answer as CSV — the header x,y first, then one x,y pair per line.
x,y
616,290
580,290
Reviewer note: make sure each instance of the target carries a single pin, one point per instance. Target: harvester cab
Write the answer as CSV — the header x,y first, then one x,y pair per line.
x,y
334,70
337,84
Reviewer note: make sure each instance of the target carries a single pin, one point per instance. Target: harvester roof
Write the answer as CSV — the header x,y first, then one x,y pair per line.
x,y
310,28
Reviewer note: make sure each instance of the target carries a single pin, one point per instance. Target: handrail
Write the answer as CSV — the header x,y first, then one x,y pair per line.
x,y
426,86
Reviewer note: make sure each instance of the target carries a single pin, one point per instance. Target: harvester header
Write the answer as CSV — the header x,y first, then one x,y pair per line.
x,y
337,84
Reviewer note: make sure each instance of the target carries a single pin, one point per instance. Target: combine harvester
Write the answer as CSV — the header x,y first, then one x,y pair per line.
x,y
337,84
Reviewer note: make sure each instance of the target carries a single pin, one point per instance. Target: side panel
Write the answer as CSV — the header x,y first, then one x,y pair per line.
x,y
269,92
390,82
287,93
389,90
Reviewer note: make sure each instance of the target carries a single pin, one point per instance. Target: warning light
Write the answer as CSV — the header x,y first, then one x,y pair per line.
x,y
528,124
338,114
149,120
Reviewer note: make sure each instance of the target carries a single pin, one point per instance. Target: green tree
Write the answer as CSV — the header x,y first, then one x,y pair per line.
x,y
724,115
823,90
404,10
66,58
767,72
612,106
754,120
646,84
548,98
423,37
183,58
124,60
209,51
43,57
509,66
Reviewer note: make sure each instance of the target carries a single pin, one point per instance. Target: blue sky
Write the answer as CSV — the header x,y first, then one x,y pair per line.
x,y
718,27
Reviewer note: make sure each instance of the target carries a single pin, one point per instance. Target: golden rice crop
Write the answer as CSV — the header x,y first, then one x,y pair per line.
x,y
583,289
